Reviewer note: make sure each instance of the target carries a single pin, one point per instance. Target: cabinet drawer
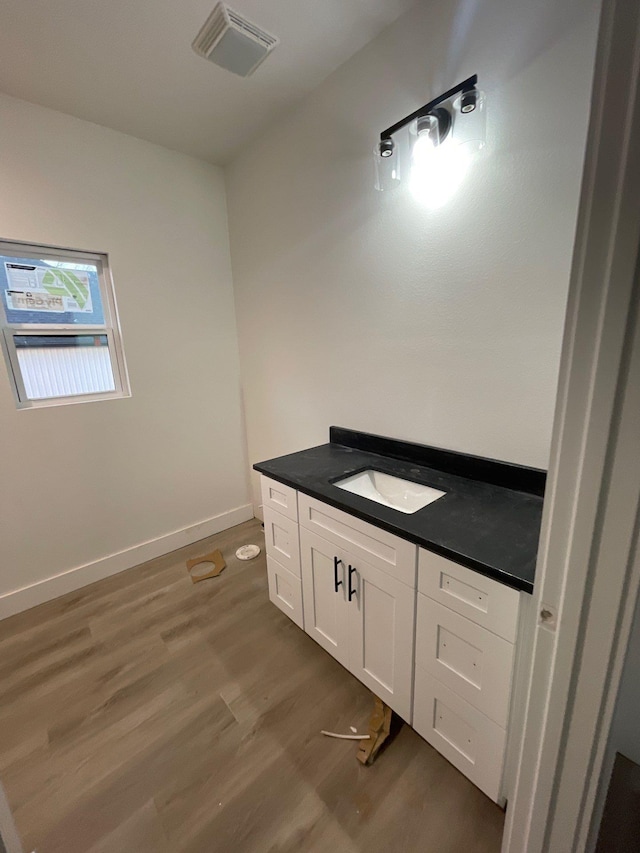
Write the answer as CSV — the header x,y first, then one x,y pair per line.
x,y
483,600
277,496
282,540
285,591
383,550
473,662
466,737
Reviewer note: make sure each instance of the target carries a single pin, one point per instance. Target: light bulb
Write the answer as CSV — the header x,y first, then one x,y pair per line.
x,y
423,149
436,171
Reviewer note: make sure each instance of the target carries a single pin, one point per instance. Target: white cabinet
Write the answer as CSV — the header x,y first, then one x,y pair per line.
x,y
465,652
379,605
282,542
361,615
325,603
281,498
380,549
481,599
285,591
467,738
467,658
381,634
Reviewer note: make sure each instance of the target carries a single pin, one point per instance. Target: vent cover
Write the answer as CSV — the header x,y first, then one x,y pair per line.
x,y
232,42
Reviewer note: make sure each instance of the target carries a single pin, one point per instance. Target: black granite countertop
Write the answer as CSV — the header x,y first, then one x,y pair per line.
x,y
488,520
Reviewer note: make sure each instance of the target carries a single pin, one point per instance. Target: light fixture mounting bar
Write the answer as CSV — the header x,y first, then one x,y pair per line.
x,y
465,86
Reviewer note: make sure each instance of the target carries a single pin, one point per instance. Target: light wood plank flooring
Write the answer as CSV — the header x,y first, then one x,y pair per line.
x,y
146,714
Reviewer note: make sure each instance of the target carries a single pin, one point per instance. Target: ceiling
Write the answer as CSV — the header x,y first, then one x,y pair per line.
x,y
128,64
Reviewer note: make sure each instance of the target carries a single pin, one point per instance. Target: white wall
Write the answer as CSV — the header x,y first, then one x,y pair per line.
x,y
364,309
81,482
625,730
624,735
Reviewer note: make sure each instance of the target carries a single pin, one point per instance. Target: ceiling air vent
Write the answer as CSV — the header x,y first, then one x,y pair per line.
x,y
232,42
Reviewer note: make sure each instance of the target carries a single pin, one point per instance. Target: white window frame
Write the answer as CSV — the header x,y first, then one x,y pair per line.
x,y
110,328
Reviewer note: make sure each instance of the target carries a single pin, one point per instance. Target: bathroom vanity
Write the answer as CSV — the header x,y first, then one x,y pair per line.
x,y
409,564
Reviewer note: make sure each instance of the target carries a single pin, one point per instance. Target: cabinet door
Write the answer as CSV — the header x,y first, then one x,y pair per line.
x,y
381,633
324,580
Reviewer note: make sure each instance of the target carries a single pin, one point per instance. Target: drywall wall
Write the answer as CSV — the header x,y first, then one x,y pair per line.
x,y
96,487
371,311
624,735
625,729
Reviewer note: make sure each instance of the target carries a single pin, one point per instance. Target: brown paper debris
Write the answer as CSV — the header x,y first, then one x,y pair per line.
x,y
379,729
217,565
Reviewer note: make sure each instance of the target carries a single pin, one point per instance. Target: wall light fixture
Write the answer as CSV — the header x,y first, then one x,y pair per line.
x,y
442,135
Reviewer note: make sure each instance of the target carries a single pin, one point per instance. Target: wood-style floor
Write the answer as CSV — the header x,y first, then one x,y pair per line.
x,y
146,714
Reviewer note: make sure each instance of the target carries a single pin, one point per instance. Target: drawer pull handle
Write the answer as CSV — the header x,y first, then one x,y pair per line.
x,y
352,591
336,583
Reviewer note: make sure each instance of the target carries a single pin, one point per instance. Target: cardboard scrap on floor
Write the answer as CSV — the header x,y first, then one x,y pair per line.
x,y
210,566
379,728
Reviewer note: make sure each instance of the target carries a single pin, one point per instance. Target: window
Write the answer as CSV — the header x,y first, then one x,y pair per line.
x,y
59,326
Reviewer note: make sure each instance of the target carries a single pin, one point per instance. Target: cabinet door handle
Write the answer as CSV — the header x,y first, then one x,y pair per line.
x,y
336,583
352,591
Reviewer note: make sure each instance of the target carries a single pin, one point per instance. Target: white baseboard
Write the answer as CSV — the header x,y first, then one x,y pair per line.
x,y
37,593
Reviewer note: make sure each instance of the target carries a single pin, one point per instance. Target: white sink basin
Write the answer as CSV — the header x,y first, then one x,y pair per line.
x,y
390,491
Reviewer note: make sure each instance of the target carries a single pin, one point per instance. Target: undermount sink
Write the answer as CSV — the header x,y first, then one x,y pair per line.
x,y
387,490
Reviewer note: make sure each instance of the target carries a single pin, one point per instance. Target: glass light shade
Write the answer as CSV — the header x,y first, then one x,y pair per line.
x,y
387,168
425,134
470,119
